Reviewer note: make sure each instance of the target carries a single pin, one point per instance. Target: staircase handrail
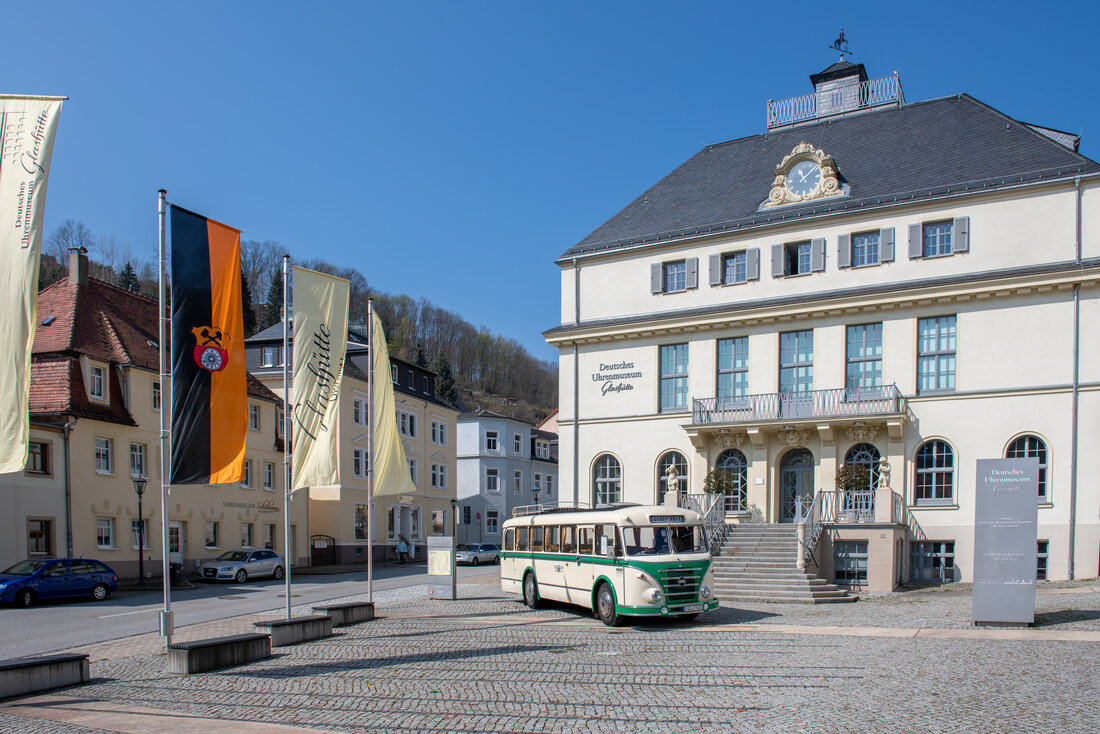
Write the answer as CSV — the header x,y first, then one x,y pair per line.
x,y
713,509
812,517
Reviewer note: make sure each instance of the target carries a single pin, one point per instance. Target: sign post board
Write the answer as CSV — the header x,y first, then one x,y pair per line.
x,y
442,578
1005,535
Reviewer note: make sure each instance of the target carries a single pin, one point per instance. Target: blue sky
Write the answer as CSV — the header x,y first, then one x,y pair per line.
x,y
452,150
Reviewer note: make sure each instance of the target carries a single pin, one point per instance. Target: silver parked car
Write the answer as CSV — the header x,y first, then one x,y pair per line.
x,y
244,564
476,553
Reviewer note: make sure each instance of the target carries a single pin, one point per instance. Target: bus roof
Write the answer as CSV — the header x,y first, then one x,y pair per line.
x,y
628,514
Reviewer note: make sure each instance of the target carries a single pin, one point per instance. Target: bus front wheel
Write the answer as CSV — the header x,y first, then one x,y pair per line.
x,y
605,606
531,591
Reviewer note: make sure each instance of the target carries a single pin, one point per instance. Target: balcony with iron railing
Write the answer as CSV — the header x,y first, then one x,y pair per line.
x,y
839,403
855,97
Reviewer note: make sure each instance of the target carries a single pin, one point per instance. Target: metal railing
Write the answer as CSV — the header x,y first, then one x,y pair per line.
x,y
811,514
713,509
815,404
836,101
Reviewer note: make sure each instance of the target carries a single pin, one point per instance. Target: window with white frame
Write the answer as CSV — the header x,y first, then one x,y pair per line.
x,y
935,474
103,456
246,535
439,476
358,463
105,532
412,470
607,480
517,482
393,373
253,417
359,411
674,276
139,534
1029,446
733,369
271,356
865,250
406,424
492,480
936,346
517,443
362,521
247,480
549,485
537,483
864,358
97,387
937,239
137,460
674,377
212,534
492,522
269,476
932,561
491,441
156,396
542,449
736,465
279,422
850,562
439,433
796,362
1041,556
798,258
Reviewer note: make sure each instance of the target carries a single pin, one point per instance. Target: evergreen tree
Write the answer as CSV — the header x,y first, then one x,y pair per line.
x,y
420,360
246,303
444,381
128,279
273,309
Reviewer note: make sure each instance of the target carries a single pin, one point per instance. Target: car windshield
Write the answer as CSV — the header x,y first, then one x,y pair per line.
x,y
232,556
464,547
655,540
24,568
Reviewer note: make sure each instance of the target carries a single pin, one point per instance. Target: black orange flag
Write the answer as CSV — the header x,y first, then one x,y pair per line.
x,y
209,388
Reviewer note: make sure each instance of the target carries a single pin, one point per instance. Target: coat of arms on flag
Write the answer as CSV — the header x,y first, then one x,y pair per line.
x,y
211,348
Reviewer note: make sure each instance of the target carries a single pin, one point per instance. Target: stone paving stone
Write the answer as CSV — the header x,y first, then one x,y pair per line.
x,y
485,663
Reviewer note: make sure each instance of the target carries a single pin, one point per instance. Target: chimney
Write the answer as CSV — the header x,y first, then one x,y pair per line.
x,y
78,265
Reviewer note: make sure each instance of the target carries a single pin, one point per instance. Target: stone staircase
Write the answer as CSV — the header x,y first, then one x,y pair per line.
x,y
757,562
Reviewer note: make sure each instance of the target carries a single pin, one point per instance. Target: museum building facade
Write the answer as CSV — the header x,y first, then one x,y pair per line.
x,y
905,287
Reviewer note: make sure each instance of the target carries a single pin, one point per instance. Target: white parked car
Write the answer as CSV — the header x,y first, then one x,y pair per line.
x,y
244,564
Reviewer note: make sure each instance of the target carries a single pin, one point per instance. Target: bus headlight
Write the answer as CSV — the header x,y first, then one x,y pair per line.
x,y
704,592
655,595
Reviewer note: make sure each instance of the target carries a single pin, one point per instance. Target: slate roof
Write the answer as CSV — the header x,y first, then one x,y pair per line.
x,y
105,323
914,152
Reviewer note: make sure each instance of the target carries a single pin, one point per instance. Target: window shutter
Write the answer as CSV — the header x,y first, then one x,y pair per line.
x,y
886,245
778,269
752,263
655,285
844,251
960,241
692,272
916,247
817,255
716,270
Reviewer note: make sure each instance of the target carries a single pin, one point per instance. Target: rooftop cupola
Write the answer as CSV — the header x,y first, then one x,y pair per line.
x,y
838,88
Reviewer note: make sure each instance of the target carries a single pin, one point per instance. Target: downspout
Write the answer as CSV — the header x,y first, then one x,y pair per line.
x,y
68,490
576,382
1074,416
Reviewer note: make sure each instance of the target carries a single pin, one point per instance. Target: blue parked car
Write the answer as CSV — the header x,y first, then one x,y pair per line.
x,y
52,578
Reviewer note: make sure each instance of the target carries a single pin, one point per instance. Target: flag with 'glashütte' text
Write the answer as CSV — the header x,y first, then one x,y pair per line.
x,y
209,383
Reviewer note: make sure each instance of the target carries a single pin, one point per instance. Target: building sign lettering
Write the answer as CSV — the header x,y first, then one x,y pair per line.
x,y
616,377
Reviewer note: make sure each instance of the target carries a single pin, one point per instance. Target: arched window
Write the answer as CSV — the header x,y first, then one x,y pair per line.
x,y
935,480
607,480
1025,447
733,461
867,456
676,459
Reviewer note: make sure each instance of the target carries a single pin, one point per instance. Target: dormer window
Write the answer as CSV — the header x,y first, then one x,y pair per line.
x,y
97,384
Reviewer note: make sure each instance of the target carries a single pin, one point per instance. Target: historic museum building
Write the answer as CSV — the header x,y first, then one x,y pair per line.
x,y
903,286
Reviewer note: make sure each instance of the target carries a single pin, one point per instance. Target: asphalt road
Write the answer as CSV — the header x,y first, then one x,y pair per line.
x,y
57,625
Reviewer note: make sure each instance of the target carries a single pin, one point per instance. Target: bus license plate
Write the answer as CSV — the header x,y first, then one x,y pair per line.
x,y
693,608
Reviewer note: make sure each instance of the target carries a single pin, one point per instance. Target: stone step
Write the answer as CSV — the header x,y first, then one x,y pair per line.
x,y
783,594
757,599
723,589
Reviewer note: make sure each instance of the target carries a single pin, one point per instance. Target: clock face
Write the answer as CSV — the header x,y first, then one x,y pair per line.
x,y
804,178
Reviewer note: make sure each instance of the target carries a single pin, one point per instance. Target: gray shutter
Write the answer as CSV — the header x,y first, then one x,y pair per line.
x,y
716,270
752,263
844,251
817,255
886,245
692,272
778,269
655,284
916,247
960,241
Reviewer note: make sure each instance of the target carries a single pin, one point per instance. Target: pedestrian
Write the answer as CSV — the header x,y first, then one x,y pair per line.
x,y
402,550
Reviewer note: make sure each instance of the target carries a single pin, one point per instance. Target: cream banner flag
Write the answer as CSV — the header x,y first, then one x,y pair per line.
x,y
391,468
320,344
27,127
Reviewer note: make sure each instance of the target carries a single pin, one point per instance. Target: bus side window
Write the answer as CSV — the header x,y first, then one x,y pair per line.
x,y
568,539
553,537
585,537
607,538
523,544
510,539
536,540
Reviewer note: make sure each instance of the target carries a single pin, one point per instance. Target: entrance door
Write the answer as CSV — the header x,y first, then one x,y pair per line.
x,y
176,542
796,485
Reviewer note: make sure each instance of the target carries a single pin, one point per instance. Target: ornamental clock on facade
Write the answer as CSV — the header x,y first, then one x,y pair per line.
x,y
804,178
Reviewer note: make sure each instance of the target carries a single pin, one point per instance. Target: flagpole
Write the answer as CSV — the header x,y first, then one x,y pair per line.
x,y
370,452
165,409
287,468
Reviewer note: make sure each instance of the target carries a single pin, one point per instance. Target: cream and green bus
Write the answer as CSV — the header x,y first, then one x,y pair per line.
x,y
617,560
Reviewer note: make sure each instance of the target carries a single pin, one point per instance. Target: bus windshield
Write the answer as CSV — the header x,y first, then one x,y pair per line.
x,y
657,540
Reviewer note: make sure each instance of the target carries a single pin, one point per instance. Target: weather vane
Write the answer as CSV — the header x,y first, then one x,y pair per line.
x,y
841,45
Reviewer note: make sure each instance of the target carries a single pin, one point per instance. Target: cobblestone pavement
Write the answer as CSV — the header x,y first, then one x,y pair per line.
x,y
485,663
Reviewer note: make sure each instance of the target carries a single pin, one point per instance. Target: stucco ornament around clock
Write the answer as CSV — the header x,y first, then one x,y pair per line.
x,y
806,174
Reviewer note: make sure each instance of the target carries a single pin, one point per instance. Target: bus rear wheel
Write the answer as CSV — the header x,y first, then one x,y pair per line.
x,y
531,591
605,606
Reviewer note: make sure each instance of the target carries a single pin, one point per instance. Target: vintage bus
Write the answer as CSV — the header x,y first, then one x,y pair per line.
x,y
617,560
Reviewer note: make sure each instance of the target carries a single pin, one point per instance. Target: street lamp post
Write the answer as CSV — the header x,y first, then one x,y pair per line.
x,y
139,487
535,494
454,519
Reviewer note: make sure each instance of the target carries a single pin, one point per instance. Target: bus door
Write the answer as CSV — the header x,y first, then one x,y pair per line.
x,y
609,548
576,590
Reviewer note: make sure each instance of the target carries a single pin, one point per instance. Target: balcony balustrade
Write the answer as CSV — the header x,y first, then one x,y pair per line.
x,y
835,101
886,400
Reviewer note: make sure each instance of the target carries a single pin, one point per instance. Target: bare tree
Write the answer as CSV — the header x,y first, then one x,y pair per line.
x,y
258,261
68,235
